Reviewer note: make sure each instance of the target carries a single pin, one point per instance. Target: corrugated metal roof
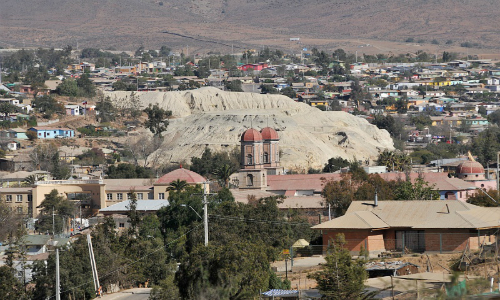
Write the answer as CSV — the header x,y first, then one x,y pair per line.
x,y
142,205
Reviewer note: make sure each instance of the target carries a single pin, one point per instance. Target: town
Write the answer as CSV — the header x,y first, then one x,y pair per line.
x,y
249,175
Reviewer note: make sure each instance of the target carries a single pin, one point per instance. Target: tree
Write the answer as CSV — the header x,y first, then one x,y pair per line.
x,y
47,106
144,148
132,213
335,163
32,179
85,86
6,109
125,170
208,164
177,185
157,121
68,87
339,193
268,89
60,206
106,110
10,287
233,86
341,276
418,190
395,161
486,145
224,173
227,271
10,221
289,92
60,169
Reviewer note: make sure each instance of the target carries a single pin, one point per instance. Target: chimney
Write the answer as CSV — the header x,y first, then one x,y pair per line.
x,y
376,198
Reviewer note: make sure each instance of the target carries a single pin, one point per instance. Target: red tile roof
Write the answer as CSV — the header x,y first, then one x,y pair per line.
x,y
181,174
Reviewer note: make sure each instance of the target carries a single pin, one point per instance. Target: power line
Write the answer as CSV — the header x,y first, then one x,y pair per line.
x,y
242,219
134,262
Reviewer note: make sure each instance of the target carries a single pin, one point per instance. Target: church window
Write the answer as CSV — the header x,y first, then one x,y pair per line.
x,y
249,159
266,157
249,180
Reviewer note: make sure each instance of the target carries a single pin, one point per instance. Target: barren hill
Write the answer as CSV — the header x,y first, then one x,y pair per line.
x,y
213,118
245,23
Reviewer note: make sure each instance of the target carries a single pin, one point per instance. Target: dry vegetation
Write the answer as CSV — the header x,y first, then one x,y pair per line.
x,y
244,23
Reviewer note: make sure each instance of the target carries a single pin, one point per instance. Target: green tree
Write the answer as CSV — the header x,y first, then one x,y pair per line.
x,y
228,271
177,185
68,87
233,86
396,161
486,145
209,163
133,215
289,92
224,173
106,110
47,106
341,276
125,170
60,206
85,86
418,190
157,121
60,169
10,287
268,89
6,109
335,163
339,193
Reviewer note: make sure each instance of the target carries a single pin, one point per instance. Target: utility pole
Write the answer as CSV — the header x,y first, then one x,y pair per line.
x,y
58,292
205,212
94,267
53,223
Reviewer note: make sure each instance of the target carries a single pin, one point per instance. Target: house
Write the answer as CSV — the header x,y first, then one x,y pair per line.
x,y
36,244
51,133
72,109
417,226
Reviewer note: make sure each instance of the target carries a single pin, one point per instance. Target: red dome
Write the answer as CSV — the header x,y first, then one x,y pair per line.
x,y
269,134
470,167
251,135
181,174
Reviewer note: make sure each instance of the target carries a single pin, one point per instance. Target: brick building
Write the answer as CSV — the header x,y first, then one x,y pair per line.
x,y
413,226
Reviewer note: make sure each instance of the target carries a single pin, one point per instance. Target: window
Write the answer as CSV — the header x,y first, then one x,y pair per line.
x,y
266,157
249,159
20,210
161,196
19,198
129,196
109,196
8,198
139,196
121,225
249,180
30,198
119,196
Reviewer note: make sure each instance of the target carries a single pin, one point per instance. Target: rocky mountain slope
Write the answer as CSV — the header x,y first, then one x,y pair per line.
x,y
245,23
214,118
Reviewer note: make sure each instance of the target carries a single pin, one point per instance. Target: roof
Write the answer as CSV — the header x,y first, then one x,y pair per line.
x,y
49,128
128,182
142,205
355,220
304,202
470,167
31,240
269,133
251,135
181,174
128,188
417,214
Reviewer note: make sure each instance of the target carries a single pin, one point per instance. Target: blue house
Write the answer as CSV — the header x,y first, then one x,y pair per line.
x,y
51,133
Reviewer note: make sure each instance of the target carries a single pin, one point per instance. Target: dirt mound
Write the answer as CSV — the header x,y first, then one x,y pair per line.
x,y
209,117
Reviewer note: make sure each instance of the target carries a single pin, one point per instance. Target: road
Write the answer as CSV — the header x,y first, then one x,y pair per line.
x,y
132,294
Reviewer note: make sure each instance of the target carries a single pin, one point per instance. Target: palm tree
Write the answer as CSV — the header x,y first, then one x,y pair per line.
x,y
224,173
31,179
177,185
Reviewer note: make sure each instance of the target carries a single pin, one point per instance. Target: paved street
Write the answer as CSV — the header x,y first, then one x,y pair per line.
x,y
132,294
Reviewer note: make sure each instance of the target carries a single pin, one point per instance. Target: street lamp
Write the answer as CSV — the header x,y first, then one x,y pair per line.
x,y
185,205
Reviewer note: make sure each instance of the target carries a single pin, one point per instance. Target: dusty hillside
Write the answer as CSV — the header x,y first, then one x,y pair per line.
x,y
308,136
244,23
